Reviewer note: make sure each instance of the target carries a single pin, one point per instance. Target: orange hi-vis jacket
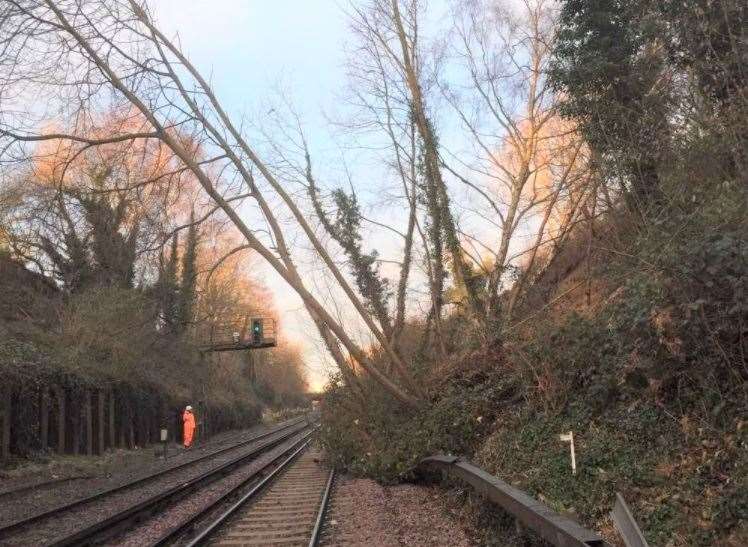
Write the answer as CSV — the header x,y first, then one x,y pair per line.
x,y
189,427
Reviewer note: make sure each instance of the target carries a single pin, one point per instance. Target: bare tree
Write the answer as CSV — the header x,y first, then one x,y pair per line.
x,y
88,50
390,31
526,161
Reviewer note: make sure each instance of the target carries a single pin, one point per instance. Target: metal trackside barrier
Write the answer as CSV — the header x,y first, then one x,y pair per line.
x,y
627,526
534,515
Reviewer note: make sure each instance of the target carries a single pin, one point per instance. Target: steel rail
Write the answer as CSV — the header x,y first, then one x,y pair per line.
x,y
55,511
110,526
317,532
171,536
551,526
223,517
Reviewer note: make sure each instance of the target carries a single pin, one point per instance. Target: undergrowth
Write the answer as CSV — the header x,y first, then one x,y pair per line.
x,y
651,379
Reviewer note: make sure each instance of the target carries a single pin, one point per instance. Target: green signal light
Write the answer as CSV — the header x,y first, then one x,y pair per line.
x,y
257,331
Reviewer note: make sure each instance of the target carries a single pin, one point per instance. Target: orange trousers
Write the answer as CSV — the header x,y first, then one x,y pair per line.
x,y
189,428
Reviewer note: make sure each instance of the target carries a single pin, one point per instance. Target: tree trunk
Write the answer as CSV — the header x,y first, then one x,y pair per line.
x,y
6,407
61,419
284,266
44,418
88,417
112,421
100,421
431,157
286,269
75,415
131,432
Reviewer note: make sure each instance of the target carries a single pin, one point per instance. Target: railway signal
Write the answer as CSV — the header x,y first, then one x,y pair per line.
x,y
257,331
239,333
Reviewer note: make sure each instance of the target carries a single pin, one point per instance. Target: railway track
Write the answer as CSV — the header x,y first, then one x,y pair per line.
x,y
104,514
285,508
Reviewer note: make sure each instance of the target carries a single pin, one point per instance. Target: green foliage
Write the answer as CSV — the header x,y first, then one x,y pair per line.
x,y
607,65
113,250
706,40
25,363
386,440
92,236
110,333
175,289
347,231
653,384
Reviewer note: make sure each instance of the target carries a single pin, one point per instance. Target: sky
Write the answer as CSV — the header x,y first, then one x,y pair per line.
x,y
249,48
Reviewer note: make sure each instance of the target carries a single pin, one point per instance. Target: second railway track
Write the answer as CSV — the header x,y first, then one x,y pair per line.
x,y
94,518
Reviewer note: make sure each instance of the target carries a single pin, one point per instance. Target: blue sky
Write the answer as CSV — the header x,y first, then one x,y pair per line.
x,y
250,45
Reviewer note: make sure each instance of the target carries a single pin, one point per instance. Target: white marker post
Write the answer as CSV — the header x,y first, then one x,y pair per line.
x,y
164,438
569,438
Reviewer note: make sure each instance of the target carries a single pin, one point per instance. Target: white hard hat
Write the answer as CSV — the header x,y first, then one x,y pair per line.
x,y
188,407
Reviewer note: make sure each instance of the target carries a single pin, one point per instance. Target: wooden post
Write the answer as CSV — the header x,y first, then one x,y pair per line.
x,y
158,420
124,421
60,394
145,425
143,433
5,410
122,427
75,416
130,425
88,416
152,431
112,422
137,429
44,418
100,403
144,428
131,431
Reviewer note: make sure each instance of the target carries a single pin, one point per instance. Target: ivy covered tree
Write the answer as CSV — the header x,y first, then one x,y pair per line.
x,y
89,237
609,64
114,251
175,290
345,229
707,42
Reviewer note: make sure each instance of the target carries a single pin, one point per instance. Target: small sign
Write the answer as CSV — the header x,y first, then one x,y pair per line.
x,y
569,438
164,434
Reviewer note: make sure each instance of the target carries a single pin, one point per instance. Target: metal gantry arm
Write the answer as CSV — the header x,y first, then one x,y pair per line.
x,y
240,333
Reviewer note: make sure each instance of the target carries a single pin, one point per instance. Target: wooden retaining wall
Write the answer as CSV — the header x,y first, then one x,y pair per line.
x,y
54,418
78,421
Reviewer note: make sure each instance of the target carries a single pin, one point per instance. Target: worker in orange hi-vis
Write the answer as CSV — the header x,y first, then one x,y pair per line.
x,y
189,426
